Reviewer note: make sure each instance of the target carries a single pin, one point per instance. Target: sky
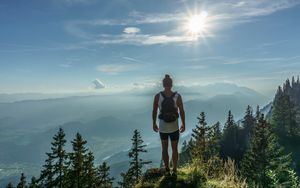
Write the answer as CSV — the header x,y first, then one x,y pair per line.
x,y
107,45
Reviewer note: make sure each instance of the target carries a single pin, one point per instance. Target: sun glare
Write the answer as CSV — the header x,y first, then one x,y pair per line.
x,y
196,23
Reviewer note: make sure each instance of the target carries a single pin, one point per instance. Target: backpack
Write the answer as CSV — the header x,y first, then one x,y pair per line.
x,y
168,111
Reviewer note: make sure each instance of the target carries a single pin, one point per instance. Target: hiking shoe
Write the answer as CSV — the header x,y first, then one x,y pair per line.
x,y
167,172
174,173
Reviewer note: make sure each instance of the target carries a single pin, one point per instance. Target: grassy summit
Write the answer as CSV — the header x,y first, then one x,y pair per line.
x,y
192,176
155,179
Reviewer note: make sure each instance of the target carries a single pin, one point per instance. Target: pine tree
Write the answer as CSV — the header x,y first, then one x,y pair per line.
x,y
244,136
77,158
134,173
126,180
278,113
293,81
33,183
229,144
291,119
284,116
103,177
184,155
46,178
249,120
257,113
287,87
265,155
10,185
201,139
22,183
89,171
216,139
60,157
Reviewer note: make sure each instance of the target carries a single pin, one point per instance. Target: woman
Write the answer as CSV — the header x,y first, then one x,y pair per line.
x,y
169,103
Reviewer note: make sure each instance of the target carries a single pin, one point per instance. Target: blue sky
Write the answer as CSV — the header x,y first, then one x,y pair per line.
x,y
102,46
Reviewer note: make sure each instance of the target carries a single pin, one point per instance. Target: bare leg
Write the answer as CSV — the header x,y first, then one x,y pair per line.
x,y
174,154
165,155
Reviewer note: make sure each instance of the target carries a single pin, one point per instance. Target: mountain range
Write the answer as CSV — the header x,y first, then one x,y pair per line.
x,y
105,121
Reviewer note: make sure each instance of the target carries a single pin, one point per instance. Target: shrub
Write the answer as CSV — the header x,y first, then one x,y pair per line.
x,y
214,167
152,174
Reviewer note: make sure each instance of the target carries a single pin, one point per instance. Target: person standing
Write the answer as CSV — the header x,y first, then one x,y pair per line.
x,y
170,107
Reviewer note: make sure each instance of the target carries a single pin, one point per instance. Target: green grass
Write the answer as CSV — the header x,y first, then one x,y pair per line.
x,y
191,177
213,183
182,180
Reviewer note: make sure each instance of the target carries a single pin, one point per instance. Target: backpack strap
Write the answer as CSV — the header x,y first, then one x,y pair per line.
x,y
172,96
162,93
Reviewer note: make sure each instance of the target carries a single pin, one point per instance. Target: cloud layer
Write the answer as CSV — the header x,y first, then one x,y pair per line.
x,y
116,68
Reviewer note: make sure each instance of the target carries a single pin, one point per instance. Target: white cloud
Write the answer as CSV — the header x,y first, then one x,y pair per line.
x,y
131,30
66,65
234,62
239,4
132,59
221,14
263,60
154,18
140,39
250,8
130,35
98,84
116,68
147,84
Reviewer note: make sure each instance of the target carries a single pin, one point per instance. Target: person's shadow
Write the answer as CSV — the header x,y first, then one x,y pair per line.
x,y
174,182
169,181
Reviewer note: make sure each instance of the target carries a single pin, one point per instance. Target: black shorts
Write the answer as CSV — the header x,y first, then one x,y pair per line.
x,y
173,136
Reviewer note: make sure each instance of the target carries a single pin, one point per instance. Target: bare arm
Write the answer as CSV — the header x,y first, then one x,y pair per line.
x,y
182,113
154,112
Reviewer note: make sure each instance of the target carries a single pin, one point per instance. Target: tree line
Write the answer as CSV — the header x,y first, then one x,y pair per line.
x,y
253,145
76,169
73,169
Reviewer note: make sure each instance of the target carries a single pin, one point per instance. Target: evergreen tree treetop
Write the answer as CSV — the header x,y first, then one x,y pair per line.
x,y
205,141
293,81
10,185
248,120
257,113
90,174
216,139
46,178
229,142
230,121
103,176
22,182
33,183
60,157
284,116
136,164
77,160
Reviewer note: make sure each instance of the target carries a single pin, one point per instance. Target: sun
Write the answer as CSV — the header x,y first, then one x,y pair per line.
x,y
196,24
